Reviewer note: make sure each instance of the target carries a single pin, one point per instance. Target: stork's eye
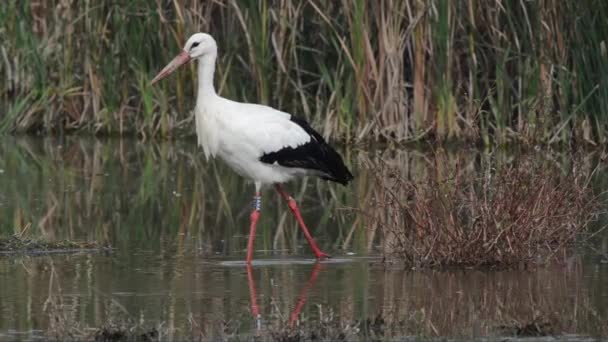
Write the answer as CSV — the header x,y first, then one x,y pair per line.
x,y
195,44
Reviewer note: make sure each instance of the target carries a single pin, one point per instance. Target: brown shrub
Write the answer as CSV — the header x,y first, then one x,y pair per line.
x,y
521,214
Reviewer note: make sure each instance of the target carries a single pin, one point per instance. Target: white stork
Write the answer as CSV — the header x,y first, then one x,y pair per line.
x,y
258,142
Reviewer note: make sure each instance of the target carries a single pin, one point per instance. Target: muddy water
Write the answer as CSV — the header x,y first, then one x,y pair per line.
x,y
178,226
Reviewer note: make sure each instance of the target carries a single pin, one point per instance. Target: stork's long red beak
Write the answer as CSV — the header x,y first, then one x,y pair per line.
x,y
178,61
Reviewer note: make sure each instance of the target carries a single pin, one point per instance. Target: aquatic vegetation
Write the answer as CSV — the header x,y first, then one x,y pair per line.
x,y
531,71
520,214
21,245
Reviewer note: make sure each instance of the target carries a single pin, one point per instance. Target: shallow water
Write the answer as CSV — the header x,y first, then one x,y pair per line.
x,y
178,226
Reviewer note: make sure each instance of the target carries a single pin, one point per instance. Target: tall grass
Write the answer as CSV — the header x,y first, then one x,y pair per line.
x,y
361,70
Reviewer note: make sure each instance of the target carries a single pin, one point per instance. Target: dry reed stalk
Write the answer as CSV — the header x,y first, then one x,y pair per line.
x,y
522,214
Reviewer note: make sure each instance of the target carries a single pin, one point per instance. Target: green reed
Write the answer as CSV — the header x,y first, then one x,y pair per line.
x,y
496,72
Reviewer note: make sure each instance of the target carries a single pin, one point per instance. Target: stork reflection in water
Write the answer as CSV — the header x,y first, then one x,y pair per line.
x,y
301,300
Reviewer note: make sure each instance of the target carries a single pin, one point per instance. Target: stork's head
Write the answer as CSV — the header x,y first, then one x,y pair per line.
x,y
198,46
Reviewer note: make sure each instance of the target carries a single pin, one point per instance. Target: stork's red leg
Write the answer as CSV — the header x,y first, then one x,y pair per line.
x,y
255,214
296,212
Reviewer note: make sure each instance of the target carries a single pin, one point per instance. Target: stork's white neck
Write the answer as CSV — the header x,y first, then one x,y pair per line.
x,y
206,69
206,127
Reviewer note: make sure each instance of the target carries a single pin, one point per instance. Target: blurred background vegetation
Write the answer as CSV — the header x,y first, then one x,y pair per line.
x,y
493,71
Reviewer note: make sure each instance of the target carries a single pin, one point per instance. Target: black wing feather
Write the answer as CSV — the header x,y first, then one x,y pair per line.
x,y
314,155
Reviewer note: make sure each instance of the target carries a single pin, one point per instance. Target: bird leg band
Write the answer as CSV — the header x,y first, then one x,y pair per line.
x,y
257,202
